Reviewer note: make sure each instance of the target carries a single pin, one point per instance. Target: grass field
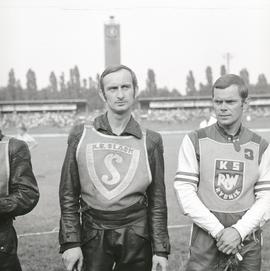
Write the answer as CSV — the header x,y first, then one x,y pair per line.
x,y
40,252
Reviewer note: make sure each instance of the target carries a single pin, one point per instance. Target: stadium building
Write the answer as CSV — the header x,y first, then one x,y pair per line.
x,y
42,106
194,102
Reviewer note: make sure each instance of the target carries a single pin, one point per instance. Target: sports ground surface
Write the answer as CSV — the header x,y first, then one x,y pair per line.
x,y
38,237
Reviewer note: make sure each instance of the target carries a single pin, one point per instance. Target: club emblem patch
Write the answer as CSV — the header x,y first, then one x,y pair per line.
x,y
111,167
228,183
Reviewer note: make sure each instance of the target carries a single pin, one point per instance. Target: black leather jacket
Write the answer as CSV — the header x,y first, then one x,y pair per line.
x,y
70,227
23,193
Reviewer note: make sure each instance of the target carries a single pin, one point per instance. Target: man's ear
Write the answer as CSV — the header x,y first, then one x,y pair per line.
x,y
136,92
102,95
246,104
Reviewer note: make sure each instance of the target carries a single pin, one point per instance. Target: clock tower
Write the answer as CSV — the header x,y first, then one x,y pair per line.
x,y
112,43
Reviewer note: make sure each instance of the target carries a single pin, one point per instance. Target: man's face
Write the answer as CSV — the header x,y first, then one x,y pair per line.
x,y
228,106
119,91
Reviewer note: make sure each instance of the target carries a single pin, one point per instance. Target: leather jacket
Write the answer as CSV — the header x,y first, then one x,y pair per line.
x,y
70,234
23,193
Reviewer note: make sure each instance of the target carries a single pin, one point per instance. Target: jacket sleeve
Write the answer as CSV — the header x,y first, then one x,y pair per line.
x,y
156,193
186,186
69,195
259,212
23,190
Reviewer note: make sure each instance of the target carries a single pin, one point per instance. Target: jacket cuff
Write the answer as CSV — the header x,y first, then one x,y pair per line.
x,y
216,230
69,237
162,254
162,248
67,246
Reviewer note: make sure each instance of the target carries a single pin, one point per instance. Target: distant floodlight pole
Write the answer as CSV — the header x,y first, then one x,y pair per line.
x,y
112,42
228,56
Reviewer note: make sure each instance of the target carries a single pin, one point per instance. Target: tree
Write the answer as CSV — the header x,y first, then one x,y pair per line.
x,y
222,70
175,93
92,83
11,87
71,85
77,81
62,82
244,75
53,82
262,85
262,81
11,78
209,76
31,83
151,85
190,84
84,81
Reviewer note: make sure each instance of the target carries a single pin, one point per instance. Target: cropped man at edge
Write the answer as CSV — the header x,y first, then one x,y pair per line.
x,y
223,185
18,196
112,192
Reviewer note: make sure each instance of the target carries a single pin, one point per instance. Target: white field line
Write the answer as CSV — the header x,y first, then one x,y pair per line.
x,y
56,230
260,130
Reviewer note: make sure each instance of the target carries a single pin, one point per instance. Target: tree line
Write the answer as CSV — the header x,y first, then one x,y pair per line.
x,y
260,87
75,87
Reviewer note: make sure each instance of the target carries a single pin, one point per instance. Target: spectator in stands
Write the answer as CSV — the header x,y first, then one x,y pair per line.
x,y
113,174
24,136
18,196
209,118
223,185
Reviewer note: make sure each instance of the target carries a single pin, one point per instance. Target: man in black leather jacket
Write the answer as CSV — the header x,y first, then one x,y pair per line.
x,y
112,191
18,195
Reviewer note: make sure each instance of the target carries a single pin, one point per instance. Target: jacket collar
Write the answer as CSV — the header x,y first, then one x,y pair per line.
x,y
101,123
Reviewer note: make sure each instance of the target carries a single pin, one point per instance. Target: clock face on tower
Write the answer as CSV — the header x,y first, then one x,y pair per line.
x,y
112,31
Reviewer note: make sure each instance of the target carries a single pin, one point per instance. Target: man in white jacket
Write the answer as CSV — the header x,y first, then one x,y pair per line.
x,y
223,185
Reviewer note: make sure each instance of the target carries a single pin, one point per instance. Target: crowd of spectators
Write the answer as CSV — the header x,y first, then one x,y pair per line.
x,y
33,120
68,119
184,115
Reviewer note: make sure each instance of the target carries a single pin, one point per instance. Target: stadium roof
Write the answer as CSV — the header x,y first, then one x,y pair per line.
x,y
56,101
183,98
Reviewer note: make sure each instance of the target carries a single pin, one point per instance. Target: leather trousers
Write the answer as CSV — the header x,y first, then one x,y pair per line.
x,y
122,249
9,262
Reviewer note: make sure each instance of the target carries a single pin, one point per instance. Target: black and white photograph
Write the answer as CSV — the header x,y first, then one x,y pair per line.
x,y
134,135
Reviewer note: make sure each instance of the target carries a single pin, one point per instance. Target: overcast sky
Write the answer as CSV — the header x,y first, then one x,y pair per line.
x,y
171,37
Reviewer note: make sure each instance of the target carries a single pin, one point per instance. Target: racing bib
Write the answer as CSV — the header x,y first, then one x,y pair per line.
x,y
114,170
227,177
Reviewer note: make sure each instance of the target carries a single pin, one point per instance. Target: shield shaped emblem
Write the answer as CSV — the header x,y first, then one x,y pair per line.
x,y
228,183
111,169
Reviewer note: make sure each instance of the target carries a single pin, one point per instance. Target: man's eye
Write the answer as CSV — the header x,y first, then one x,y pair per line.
x,y
112,89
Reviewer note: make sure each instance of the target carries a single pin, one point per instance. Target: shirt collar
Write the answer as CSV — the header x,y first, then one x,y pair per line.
x,y
101,123
228,136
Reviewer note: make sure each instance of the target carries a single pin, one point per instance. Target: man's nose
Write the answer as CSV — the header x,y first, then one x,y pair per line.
x,y
223,106
120,93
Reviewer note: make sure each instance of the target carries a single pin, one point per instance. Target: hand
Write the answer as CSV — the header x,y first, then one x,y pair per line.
x,y
228,241
159,262
73,259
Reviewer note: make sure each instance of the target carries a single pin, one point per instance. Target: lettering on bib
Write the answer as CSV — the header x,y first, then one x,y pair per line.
x,y
228,183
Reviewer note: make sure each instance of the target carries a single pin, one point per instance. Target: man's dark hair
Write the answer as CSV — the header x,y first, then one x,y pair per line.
x,y
231,79
116,68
